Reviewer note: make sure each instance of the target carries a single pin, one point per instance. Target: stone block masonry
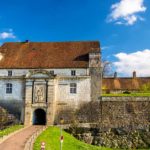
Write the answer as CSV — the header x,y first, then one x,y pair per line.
x,y
113,112
127,112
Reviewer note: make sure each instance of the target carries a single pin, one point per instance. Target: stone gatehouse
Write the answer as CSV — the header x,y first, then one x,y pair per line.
x,y
48,76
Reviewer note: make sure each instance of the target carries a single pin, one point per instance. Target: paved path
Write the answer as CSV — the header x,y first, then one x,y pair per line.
x,y
18,140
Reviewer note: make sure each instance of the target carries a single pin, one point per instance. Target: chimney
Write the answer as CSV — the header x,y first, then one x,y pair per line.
x,y
27,41
115,75
134,74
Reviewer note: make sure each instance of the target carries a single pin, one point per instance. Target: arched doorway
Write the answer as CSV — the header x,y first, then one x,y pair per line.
x,y
39,117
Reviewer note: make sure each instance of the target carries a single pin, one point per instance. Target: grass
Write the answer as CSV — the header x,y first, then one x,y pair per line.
x,y
127,95
10,130
51,137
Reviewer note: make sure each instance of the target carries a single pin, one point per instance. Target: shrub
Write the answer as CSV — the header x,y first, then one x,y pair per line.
x,y
127,92
145,87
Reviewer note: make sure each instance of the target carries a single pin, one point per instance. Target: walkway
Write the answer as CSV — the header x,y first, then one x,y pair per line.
x,y
18,140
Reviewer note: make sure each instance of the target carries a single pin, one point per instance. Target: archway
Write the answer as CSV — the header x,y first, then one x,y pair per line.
x,y
39,117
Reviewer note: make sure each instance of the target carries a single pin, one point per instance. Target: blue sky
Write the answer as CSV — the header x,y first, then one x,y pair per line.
x,y
122,27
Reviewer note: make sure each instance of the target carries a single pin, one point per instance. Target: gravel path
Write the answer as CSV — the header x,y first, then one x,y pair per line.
x,y
18,140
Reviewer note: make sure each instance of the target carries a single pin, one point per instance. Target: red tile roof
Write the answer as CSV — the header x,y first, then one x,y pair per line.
x,y
125,83
46,54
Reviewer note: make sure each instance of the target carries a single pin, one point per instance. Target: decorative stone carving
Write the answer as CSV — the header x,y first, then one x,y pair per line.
x,y
39,93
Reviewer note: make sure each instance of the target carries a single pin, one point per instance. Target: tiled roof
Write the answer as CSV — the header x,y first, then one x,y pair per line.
x,y
46,54
124,83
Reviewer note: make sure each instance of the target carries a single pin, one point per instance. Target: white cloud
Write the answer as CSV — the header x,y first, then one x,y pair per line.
x,y
138,61
105,47
6,35
126,11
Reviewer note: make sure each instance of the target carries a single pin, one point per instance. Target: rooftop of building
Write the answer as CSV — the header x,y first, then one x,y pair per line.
x,y
124,83
21,55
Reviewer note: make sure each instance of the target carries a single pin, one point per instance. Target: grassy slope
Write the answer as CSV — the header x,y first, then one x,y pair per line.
x,y
51,137
10,130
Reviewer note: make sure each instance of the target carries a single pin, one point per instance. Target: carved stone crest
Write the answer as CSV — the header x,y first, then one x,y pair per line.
x,y
39,93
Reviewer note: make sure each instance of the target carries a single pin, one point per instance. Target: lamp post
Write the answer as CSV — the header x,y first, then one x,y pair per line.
x,y
61,136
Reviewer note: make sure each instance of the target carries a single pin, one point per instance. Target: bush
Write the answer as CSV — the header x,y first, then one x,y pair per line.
x,y
126,92
145,87
13,107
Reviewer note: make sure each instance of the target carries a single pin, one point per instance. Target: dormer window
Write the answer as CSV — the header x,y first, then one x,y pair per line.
x,y
9,73
73,72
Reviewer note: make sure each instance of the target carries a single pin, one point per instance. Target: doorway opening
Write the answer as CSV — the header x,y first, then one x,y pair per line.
x,y
39,117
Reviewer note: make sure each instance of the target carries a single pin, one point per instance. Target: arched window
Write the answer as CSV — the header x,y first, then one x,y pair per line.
x,y
8,88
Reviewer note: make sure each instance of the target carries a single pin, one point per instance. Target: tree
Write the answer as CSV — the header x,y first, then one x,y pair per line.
x,y
107,68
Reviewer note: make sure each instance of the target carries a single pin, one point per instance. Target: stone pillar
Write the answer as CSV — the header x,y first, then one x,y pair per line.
x,y
51,103
95,73
28,103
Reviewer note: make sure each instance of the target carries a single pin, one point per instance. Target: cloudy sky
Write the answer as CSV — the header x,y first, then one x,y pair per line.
x,y
122,27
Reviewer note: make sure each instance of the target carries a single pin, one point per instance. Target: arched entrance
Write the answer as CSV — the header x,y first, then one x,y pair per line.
x,y
39,117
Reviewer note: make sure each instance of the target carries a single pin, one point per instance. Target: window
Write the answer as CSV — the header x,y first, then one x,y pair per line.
x,y
73,88
73,72
8,88
51,72
9,72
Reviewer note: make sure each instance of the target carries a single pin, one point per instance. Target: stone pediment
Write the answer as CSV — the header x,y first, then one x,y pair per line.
x,y
39,73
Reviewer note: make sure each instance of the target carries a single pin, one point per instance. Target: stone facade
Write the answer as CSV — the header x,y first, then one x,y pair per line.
x,y
40,89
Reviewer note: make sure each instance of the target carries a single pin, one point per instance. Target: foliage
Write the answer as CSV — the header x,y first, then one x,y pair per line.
x,y
10,130
145,87
6,119
12,106
127,92
51,137
106,68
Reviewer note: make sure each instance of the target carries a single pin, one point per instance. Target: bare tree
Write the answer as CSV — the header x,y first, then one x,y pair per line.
x,y
106,68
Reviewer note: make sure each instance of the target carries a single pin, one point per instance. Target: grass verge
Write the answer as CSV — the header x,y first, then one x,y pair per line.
x,y
127,95
51,137
10,130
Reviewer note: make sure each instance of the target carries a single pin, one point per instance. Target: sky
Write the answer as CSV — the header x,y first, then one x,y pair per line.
x,y
121,26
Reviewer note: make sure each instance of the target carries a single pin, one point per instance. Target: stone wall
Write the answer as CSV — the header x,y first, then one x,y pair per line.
x,y
111,112
127,112
83,92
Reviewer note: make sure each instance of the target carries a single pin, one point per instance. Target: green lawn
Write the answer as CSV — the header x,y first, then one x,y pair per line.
x,y
10,130
127,95
51,136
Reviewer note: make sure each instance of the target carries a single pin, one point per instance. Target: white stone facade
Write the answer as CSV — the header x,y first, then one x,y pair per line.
x,y
18,83
25,84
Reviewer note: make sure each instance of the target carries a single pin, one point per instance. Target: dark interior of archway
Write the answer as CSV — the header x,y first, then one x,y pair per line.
x,y
39,117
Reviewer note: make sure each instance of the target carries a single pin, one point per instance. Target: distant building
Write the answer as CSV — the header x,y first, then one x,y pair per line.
x,y
123,84
49,76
